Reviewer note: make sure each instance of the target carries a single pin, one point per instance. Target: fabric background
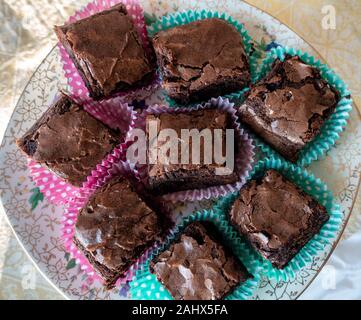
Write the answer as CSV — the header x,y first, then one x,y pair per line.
x,y
26,37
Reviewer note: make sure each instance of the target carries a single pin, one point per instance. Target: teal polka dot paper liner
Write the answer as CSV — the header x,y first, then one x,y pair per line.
x,y
312,186
262,149
145,285
185,17
334,125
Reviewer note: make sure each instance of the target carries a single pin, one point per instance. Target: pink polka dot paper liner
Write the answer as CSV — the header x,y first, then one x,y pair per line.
x,y
112,112
243,161
113,166
55,189
135,11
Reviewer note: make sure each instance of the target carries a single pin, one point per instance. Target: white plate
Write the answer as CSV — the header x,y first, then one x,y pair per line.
x,y
38,230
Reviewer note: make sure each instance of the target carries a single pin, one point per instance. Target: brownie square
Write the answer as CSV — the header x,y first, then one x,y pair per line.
x,y
114,228
197,266
277,217
201,59
107,50
288,107
68,141
166,178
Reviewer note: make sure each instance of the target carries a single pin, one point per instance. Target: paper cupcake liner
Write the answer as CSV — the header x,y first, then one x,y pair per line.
x,y
261,149
114,165
243,161
315,188
145,285
337,121
116,115
54,188
135,11
185,17
113,112
110,167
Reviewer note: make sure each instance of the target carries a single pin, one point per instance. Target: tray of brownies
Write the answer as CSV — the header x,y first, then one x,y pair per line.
x,y
187,151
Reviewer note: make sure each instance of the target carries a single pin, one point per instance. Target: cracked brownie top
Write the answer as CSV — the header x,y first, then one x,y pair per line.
x,y
197,266
69,141
288,107
201,59
107,50
115,227
277,217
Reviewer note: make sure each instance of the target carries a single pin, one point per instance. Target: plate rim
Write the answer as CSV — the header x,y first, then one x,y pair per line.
x,y
326,259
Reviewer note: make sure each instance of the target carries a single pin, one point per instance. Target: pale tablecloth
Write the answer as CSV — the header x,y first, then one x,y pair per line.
x,y
26,37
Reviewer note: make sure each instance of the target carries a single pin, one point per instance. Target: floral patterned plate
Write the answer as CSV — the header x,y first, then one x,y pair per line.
x,y
37,223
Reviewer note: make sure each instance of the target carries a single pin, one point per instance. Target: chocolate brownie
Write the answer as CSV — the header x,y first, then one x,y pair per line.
x,y
288,107
197,266
69,141
108,52
169,177
201,59
114,228
276,217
